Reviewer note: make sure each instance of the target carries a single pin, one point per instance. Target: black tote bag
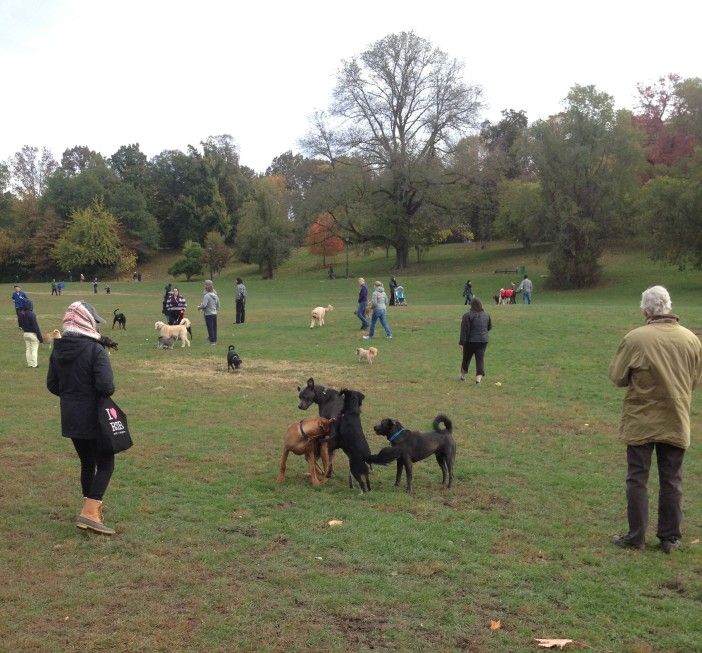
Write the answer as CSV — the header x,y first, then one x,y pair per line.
x,y
114,432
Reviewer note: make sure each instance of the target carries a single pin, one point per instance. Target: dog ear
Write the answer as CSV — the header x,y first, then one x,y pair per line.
x,y
298,388
310,382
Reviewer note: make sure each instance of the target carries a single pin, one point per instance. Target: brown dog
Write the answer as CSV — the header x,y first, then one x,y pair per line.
x,y
301,438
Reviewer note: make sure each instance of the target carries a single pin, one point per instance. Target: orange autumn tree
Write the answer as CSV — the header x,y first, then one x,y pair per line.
x,y
321,238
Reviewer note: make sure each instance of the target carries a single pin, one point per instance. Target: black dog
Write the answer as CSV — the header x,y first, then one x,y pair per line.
x,y
233,360
348,436
120,319
409,447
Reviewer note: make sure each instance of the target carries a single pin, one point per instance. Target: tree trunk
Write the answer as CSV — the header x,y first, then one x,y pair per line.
x,y
401,256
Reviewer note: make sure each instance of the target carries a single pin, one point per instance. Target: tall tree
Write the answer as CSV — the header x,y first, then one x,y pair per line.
x,y
78,158
322,238
401,105
264,233
131,166
216,253
31,169
588,158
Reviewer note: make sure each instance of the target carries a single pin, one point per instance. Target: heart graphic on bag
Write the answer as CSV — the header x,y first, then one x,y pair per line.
x,y
112,412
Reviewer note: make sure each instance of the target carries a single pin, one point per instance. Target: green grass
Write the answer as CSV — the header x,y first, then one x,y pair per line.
x,y
211,555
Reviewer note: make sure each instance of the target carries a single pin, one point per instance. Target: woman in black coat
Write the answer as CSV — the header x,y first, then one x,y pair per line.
x,y
474,339
80,373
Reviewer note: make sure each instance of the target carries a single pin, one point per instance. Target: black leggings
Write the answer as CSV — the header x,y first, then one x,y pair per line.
x,y
477,348
95,468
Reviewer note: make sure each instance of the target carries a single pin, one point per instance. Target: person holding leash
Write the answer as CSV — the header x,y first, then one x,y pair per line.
x,y
659,364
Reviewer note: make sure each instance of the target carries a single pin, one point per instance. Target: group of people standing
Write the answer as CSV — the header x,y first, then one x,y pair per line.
x,y
378,305
210,307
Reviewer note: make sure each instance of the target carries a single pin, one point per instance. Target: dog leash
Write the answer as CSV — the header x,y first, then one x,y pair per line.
x,y
394,435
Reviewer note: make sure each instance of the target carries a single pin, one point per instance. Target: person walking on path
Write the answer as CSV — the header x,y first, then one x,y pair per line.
x,y
379,302
362,303
240,301
27,321
209,308
526,287
474,339
468,292
659,364
79,374
393,285
18,297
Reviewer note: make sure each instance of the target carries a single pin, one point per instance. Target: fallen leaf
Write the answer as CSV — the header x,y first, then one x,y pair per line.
x,y
335,522
697,541
553,643
587,424
318,558
495,624
498,384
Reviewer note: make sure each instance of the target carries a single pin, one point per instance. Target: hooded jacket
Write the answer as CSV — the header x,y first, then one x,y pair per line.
x,y
27,321
79,373
660,364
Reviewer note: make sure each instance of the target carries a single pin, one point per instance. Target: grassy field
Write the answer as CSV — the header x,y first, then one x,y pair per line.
x,y
211,555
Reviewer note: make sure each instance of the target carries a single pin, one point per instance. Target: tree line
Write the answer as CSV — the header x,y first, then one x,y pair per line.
x,y
398,160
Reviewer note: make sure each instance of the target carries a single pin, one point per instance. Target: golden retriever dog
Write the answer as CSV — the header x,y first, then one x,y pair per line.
x,y
174,330
51,336
318,314
308,438
366,354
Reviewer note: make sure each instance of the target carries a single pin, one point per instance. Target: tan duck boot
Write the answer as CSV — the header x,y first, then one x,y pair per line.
x,y
91,517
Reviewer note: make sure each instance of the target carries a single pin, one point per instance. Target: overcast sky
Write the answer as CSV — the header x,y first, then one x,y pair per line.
x,y
167,73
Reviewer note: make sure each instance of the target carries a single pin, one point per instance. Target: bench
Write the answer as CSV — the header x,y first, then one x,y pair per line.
x,y
504,270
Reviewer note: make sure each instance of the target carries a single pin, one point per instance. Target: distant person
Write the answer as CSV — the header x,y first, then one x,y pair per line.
x,y
660,364
468,292
379,301
331,273
108,290
54,287
474,339
80,373
209,308
60,285
82,277
70,276
134,276
526,287
393,285
362,303
240,301
139,277
27,321
18,297
95,285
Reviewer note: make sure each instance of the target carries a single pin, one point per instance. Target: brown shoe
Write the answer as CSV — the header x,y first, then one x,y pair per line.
x,y
91,517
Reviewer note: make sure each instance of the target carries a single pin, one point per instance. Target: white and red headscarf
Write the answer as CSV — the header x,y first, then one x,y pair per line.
x,y
82,319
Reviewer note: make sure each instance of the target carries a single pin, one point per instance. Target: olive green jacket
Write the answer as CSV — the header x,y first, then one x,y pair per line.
x,y
660,364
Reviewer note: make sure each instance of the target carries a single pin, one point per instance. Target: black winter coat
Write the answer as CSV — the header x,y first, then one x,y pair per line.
x,y
79,373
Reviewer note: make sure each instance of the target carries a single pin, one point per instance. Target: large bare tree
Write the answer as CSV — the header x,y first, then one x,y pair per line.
x,y
400,106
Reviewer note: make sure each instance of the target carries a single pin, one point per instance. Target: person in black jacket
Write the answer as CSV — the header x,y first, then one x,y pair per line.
x,y
27,321
80,373
474,339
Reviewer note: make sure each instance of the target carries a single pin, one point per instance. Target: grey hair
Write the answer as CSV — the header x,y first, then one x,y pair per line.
x,y
209,286
656,301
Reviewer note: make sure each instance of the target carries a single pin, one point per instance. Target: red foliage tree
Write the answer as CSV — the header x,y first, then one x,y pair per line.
x,y
321,238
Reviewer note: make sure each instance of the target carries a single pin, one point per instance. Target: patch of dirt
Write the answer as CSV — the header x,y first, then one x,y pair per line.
x,y
364,631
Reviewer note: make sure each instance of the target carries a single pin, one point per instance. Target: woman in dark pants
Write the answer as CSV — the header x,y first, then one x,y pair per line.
x,y
474,339
80,373
209,308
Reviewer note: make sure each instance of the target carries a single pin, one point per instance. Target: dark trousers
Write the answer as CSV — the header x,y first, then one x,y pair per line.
x,y
211,324
669,459
95,468
476,349
240,311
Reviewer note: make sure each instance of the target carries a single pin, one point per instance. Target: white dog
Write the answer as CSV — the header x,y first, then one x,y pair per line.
x,y
366,354
174,330
318,315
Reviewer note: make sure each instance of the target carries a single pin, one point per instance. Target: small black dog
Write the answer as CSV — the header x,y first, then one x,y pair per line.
x,y
409,447
233,360
348,436
120,319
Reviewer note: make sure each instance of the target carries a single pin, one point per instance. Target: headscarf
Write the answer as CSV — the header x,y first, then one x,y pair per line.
x,y
81,318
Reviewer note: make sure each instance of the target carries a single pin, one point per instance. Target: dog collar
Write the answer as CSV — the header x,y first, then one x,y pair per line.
x,y
394,435
303,430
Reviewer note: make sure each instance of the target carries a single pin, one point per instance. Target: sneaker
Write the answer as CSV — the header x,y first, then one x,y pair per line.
x,y
462,377
366,337
670,545
624,542
389,337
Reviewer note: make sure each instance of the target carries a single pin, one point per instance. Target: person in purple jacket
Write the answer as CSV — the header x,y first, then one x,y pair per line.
x,y
362,303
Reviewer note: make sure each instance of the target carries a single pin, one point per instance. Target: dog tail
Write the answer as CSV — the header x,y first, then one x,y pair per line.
x,y
115,312
446,421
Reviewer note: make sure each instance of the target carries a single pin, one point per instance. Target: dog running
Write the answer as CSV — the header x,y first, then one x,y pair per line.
x,y
407,447
318,315
176,330
120,319
366,354
233,359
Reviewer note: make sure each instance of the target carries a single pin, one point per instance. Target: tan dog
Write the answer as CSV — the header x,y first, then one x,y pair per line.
x,y
318,314
174,330
51,336
366,354
301,438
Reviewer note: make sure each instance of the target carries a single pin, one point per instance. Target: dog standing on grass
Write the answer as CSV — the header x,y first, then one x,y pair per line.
x,y
120,319
174,330
407,447
366,354
233,359
318,315
307,438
